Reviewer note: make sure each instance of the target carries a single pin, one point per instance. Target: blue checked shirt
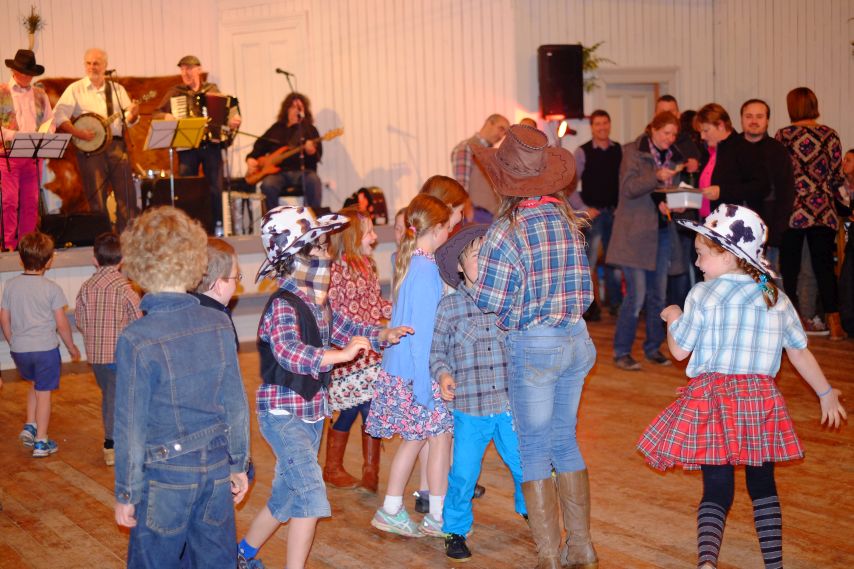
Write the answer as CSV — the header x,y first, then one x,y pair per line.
x,y
729,329
470,347
533,272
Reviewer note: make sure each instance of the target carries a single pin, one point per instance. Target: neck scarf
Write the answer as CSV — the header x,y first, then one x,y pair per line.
x,y
312,276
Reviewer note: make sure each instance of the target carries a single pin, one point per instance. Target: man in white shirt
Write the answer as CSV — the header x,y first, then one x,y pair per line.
x,y
94,94
23,108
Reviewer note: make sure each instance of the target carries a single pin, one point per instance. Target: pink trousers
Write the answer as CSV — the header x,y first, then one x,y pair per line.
x,y
20,198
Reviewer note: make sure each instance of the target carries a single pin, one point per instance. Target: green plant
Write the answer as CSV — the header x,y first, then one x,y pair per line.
x,y
590,62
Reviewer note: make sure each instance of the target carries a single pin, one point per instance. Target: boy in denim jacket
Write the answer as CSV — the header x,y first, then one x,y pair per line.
x,y
294,340
469,360
182,426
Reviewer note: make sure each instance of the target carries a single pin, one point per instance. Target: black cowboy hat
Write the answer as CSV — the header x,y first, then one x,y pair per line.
x,y
25,62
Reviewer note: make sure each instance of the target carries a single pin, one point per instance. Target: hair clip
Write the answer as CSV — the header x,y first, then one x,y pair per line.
x,y
412,227
763,284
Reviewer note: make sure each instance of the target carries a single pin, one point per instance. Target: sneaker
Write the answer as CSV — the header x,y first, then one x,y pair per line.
x,y
110,456
44,448
627,363
815,327
658,358
28,435
243,563
456,548
432,527
400,523
422,502
479,490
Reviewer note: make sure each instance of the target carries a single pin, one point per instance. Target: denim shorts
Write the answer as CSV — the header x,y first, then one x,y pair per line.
x,y
43,368
298,487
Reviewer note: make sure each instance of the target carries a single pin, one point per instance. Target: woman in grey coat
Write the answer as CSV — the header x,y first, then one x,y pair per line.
x,y
640,242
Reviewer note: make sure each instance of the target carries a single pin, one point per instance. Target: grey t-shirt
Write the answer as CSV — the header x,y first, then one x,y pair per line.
x,y
31,301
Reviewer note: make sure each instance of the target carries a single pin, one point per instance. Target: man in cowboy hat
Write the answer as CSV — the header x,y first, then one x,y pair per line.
x,y
23,108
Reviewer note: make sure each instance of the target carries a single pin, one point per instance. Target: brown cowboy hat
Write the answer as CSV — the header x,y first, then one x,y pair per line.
x,y
525,165
25,62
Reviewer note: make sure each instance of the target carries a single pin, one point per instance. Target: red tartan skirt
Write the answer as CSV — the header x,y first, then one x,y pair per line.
x,y
722,419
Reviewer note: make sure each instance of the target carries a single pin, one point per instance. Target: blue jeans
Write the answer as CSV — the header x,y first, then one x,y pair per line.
x,y
472,435
547,371
209,157
105,376
273,185
599,234
186,500
347,417
644,287
298,488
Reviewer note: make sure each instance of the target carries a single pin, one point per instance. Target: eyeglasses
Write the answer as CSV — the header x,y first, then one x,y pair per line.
x,y
239,277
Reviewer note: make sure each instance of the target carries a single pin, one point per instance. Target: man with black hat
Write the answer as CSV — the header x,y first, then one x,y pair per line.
x,y
23,108
209,153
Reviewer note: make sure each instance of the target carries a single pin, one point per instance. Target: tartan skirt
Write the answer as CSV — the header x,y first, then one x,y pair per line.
x,y
722,419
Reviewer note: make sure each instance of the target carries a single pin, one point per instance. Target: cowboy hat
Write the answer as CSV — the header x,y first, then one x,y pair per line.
x,y
525,165
737,229
25,62
448,255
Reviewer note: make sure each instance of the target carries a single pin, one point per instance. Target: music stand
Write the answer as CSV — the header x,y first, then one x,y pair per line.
x,y
37,145
172,134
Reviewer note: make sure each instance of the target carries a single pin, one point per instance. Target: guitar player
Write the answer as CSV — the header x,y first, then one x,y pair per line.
x,y
111,168
294,126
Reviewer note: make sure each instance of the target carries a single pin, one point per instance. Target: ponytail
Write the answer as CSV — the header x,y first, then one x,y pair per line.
x,y
424,213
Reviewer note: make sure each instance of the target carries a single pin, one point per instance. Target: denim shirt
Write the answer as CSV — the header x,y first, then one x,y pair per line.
x,y
178,387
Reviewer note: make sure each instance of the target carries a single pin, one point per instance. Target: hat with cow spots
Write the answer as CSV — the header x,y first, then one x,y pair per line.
x,y
739,230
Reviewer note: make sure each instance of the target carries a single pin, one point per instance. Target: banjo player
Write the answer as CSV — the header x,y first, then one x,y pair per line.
x,y
110,168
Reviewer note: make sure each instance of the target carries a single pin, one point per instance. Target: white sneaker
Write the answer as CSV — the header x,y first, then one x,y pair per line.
x,y
400,523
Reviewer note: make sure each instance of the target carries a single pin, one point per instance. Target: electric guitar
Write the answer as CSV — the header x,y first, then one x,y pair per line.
x,y
269,163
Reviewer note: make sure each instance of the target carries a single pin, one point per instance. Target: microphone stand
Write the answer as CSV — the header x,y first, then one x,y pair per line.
x,y
126,138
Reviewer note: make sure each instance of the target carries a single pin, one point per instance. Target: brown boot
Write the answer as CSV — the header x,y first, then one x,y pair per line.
x,y
333,471
835,326
574,491
544,521
371,464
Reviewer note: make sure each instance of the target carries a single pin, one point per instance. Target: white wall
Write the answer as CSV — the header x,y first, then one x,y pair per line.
x,y
407,79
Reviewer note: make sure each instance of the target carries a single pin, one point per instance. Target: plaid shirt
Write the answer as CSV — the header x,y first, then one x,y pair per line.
x,y
462,159
279,327
468,346
533,272
105,305
729,329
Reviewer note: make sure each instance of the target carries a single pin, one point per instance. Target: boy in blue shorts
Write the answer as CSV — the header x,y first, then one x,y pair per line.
x,y
469,361
32,311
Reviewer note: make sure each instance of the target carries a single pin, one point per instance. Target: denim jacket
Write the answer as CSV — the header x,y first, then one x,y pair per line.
x,y
178,387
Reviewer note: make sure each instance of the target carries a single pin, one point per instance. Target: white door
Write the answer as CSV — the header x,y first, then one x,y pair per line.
x,y
630,106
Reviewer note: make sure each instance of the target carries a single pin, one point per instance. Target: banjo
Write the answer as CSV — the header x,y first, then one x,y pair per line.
x,y
101,127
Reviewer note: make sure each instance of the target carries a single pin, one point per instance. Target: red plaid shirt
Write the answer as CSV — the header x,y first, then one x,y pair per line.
x,y
279,328
105,305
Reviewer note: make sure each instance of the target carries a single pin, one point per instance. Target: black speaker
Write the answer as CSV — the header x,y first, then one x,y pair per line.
x,y
75,229
561,81
191,195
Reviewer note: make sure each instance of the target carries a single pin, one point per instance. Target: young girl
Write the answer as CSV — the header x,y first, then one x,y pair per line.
x,y
354,290
406,400
451,193
734,327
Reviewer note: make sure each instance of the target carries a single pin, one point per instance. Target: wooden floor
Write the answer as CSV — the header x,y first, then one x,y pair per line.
x,y
58,511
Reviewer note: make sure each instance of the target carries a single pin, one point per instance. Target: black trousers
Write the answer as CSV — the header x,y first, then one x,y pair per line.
x,y
822,245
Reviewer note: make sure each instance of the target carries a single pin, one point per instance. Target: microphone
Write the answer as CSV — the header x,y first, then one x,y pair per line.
x,y
110,72
285,73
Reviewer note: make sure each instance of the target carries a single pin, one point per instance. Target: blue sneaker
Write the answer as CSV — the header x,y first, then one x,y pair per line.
x,y
44,448
400,523
243,563
432,527
28,435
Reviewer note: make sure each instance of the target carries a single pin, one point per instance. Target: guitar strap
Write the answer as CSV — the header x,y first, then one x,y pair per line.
x,y
108,93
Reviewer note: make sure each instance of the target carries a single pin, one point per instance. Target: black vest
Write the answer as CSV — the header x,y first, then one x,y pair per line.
x,y
274,374
600,182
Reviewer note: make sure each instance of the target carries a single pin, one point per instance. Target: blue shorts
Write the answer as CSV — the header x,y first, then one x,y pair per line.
x,y
42,368
298,487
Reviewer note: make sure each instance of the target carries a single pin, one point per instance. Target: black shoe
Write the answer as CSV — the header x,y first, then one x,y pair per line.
x,y
478,491
657,358
456,548
627,363
422,503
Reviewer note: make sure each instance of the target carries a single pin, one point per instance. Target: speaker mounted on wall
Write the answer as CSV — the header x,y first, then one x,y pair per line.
x,y
561,81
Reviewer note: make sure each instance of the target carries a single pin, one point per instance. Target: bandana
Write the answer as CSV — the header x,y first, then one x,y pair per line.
x,y
312,276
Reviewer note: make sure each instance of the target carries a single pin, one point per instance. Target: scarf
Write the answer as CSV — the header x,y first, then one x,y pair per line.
x,y
312,276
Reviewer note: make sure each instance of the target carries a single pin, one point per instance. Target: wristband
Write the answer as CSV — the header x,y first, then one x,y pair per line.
x,y
829,389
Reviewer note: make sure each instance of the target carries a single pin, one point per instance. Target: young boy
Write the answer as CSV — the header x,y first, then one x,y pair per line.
x,y
469,360
219,283
182,419
106,304
294,337
32,312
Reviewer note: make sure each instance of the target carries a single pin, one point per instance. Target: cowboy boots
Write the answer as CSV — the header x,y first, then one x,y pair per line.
x,y
333,471
544,521
835,326
371,462
574,491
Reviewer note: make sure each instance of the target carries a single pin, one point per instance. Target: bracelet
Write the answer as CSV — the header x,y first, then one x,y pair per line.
x,y
829,389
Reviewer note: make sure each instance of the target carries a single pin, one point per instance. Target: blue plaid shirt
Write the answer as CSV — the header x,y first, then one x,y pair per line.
x,y
468,346
729,329
533,272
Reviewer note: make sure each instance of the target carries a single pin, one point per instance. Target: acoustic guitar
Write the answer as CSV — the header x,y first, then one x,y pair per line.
x,y
269,163
101,127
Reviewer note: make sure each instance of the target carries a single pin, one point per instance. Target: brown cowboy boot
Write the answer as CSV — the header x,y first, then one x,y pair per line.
x,y
371,464
574,491
544,521
333,471
835,326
